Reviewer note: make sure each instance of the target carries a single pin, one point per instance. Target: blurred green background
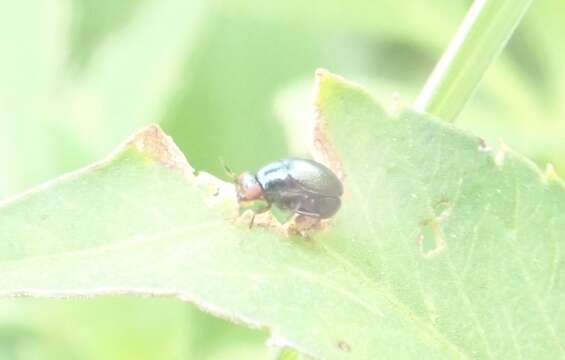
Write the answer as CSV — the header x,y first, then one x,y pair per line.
x,y
229,79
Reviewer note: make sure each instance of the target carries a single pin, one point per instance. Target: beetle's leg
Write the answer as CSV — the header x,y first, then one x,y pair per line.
x,y
303,225
307,221
307,218
255,212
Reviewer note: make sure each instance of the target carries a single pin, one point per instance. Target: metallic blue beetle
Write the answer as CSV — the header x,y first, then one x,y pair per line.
x,y
290,186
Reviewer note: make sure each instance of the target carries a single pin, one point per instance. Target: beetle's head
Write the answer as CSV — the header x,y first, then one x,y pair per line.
x,y
248,188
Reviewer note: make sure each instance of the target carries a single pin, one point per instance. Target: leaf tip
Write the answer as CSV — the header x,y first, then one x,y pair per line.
x,y
550,172
550,175
155,144
322,74
325,82
322,148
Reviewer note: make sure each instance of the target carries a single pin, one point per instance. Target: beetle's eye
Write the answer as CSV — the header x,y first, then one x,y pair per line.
x,y
248,187
253,191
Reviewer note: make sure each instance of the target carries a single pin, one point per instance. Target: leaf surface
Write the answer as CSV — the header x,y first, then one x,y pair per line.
x,y
443,247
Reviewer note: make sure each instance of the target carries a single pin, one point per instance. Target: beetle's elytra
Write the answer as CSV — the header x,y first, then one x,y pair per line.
x,y
291,186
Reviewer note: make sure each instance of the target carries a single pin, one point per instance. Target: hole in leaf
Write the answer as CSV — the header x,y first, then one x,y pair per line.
x,y
431,239
427,239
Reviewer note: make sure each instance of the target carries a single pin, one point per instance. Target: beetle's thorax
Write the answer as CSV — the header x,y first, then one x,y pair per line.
x,y
275,180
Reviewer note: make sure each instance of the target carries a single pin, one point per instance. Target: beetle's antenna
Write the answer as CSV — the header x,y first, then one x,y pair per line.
x,y
230,173
252,222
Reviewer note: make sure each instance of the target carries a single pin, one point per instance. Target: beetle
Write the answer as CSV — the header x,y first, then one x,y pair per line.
x,y
290,186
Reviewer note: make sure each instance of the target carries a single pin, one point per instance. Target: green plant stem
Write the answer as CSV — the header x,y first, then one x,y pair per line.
x,y
481,36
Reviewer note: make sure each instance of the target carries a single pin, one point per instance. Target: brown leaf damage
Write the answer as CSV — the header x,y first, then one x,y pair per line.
x,y
323,149
158,146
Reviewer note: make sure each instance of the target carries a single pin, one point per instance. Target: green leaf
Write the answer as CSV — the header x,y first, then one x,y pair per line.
x,y
67,105
443,248
465,237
